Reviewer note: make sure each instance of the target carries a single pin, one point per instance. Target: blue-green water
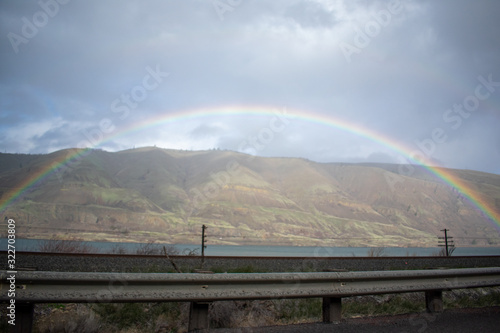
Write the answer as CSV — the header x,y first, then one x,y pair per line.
x,y
267,251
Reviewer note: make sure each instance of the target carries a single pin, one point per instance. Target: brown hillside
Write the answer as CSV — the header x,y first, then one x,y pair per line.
x,y
152,194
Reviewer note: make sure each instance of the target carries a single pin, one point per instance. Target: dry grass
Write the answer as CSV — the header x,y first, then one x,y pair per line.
x,y
234,314
111,318
173,317
376,252
151,248
70,318
66,246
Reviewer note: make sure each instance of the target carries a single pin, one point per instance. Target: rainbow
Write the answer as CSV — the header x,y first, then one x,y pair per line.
x,y
40,174
412,155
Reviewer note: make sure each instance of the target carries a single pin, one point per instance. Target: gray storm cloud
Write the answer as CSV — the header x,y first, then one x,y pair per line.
x,y
399,68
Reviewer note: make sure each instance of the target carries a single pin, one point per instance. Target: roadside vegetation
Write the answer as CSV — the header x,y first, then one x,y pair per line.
x,y
73,245
376,252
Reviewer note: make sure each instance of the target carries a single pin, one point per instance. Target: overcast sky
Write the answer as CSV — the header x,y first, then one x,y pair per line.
x,y
75,72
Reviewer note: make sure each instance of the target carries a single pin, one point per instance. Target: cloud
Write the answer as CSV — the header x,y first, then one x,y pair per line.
x,y
412,67
311,15
26,138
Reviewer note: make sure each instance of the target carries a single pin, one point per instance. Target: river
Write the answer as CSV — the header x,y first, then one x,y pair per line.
x,y
265,251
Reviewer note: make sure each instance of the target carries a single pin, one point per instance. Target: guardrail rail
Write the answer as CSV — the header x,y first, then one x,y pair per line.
x,y
33,287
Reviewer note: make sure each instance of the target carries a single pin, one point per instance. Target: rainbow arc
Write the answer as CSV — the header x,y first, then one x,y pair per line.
x,y
475,198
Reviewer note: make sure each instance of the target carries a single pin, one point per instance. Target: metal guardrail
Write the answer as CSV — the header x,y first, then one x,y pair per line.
x,y
63,287
43,287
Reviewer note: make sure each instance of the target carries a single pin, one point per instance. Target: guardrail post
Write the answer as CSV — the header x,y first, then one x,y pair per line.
x,y
24,318
434,301
332,309
198,316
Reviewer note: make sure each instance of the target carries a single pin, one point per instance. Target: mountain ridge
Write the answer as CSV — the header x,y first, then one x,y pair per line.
x,y
154,194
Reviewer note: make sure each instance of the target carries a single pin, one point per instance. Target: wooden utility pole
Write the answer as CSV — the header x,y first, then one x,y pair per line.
x,y
447,241
203,244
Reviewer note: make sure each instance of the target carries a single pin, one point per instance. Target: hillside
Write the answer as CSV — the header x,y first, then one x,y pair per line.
x,y
152,194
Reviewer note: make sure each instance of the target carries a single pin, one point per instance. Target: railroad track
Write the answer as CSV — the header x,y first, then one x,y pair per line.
x,y
296,258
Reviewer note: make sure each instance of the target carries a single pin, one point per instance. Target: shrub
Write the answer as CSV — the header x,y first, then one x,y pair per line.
x,y
142,317
376,252
66,246
234,314
72,318
442,252
152,249
122,315
292,310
